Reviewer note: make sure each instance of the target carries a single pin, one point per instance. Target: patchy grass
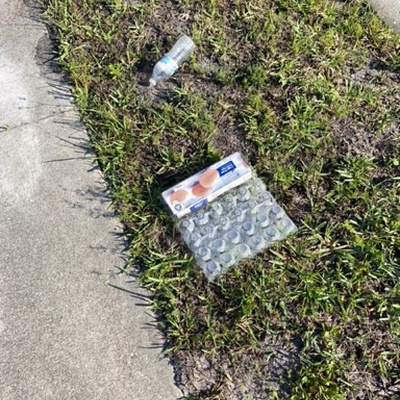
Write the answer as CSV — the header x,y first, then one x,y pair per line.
x,y
309,91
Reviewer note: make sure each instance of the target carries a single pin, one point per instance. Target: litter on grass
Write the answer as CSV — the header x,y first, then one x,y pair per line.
x,y
225,214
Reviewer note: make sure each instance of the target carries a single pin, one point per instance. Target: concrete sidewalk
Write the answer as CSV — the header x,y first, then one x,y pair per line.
x,y
389,11
65,333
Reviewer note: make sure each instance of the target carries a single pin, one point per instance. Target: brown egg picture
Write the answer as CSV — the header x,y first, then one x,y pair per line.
x,y
207,180
179,196
200,191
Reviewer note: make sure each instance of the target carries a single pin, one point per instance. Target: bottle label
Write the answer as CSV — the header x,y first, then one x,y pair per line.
x,y
171,64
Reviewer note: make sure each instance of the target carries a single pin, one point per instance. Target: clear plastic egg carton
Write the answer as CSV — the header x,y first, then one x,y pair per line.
x,y
235,226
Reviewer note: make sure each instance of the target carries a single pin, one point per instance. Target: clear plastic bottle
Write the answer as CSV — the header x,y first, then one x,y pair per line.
x,y
171,61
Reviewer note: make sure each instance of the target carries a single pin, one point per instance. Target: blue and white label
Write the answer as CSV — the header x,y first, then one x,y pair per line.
x,y
232,171
226,168
198,205
171,65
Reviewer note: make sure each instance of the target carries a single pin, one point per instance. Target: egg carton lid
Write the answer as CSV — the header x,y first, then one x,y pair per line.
x,y
205,186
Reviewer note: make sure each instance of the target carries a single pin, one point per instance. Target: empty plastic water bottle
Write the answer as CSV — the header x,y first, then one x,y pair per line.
x,y
171,61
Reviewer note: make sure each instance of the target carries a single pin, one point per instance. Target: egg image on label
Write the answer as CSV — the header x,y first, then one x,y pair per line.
x,y
179,196
200,191
209,178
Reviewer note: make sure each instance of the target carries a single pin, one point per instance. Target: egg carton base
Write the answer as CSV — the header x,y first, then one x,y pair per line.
x,y
234,227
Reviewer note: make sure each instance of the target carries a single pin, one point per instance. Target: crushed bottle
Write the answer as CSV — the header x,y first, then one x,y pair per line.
x,y
171,61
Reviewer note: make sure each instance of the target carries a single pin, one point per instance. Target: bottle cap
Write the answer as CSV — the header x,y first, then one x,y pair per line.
x,y
152,82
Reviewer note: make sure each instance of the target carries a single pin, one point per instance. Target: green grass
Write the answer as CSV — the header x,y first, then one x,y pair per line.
x,y
309,91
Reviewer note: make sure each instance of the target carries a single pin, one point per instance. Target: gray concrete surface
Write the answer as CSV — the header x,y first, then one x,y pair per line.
x,y
65,333
389,11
